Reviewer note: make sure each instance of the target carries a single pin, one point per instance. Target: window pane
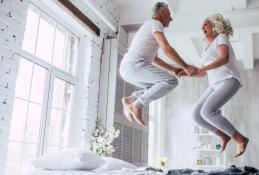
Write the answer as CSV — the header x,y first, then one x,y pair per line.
x,y
65,129
18,121
33,123
26,119
63,95
31,27
45,41
59,124
69,95
38,84
29,154
60,48
58,128
23,82
50,41
54,127
14,158
58,94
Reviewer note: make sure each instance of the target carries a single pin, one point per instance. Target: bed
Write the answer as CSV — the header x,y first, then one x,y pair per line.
x,y
232,170
79,161
78,172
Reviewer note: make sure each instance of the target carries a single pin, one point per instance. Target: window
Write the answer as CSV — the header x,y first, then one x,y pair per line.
x,y
26,117
155,131
49,41
151,135
60,115
44,93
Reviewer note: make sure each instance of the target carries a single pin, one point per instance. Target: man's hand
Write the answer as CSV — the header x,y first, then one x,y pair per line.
x,y
190,70
181,73
199,72
177,70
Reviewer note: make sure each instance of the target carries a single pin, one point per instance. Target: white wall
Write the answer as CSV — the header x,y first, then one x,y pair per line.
x,y
90,95
12,22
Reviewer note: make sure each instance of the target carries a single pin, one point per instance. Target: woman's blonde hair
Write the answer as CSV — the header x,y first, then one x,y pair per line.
x,y
220,24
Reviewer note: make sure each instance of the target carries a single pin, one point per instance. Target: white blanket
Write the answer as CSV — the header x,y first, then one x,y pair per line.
x,y
82,172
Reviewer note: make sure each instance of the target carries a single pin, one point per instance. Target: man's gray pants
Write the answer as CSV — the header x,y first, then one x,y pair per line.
x,y
154,81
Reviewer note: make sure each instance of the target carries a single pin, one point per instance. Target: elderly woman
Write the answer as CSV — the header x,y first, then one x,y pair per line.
x,y
219,63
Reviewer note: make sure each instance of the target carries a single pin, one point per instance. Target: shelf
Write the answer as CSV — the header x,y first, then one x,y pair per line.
x,y
204,146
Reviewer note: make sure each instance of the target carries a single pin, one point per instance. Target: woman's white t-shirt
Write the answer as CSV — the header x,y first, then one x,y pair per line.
x,y
226,71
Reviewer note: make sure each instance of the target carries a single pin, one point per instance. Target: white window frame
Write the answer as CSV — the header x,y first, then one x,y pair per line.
x,y
52,72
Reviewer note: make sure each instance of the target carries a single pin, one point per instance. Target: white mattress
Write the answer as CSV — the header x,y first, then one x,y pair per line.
x,y
77,172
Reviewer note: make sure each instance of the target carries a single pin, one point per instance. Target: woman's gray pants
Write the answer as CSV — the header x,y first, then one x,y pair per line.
x,y
155,82
206,110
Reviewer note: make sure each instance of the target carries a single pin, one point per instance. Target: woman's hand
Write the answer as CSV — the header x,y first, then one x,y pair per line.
x,y
201,72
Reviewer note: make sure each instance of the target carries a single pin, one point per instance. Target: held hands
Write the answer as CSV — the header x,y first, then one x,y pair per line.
x,y
190,70
199,72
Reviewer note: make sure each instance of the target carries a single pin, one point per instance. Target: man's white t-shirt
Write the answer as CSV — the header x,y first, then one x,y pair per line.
x,y
144,44
225,71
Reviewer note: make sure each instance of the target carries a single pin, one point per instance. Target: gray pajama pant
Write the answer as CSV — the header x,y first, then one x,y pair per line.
x,y
206,110
155,82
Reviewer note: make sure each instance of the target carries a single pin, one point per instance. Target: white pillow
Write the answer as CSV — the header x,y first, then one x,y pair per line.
x,y
115,164
69,159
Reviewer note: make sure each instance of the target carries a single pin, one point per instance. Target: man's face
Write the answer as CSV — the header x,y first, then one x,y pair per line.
x,y
166,17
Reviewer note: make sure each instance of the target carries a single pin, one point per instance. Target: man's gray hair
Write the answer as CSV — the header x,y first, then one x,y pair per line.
x,y
157,7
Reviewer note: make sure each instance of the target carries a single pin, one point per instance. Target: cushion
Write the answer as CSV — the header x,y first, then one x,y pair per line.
x,y
115,164
69,159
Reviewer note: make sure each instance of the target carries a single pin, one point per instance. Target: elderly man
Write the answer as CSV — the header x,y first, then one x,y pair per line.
x,y
141,66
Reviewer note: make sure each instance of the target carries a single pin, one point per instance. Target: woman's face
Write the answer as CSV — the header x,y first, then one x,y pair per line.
x,y
207,29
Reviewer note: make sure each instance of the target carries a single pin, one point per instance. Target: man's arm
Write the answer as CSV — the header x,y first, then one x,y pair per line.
x,y
168,50
171,53
164,66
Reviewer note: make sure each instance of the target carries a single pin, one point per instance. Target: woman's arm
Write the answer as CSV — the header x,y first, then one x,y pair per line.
x,y
222,59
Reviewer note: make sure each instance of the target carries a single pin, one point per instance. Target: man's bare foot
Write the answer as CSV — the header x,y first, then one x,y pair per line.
x,y
241,146
136,113
224,139
126,101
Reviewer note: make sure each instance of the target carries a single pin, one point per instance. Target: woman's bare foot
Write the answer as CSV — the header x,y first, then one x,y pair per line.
x,y
224,139
136,112
241,146
242,142
224,143
126,101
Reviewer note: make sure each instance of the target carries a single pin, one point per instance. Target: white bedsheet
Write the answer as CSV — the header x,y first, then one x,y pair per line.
x,y
77,172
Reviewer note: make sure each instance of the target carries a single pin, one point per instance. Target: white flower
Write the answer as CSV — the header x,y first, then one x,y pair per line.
x,y
101,141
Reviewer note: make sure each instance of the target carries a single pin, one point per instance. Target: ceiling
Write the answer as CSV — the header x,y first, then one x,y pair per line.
x,y
184,32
